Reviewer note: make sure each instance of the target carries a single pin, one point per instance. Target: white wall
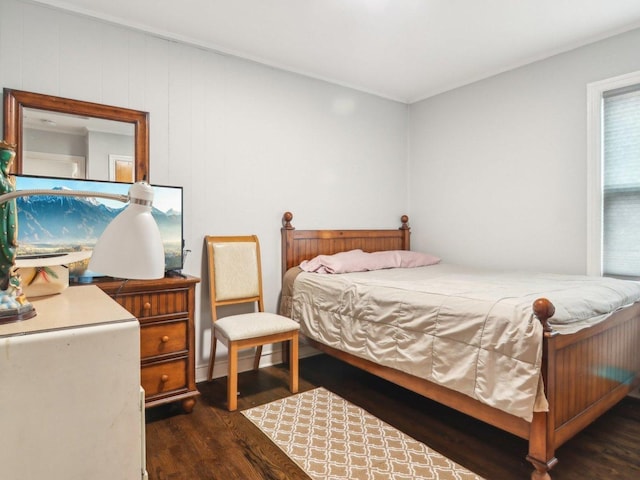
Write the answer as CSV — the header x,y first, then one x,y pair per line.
x,y
99,146
498,168
246,141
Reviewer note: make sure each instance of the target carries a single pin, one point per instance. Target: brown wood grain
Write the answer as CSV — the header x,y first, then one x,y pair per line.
x,y
585,373
16,100
165,310
213,443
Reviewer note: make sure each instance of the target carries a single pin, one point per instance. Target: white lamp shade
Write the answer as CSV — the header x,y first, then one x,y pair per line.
x,y
131,246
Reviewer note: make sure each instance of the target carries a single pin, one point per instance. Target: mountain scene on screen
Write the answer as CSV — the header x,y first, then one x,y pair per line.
x,y
54,224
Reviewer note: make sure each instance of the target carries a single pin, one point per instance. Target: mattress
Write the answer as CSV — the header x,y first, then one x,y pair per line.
x,y
468,330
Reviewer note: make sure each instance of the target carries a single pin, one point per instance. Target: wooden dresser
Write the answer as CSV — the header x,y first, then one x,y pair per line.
x,y
165,309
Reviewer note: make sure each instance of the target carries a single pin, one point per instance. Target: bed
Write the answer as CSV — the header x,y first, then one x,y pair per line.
x,y
583,373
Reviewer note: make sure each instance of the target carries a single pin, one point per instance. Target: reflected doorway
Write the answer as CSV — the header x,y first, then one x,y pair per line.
x,y
121,168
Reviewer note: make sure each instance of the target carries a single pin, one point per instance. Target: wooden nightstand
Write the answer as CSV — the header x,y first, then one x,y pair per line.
x,y
165,309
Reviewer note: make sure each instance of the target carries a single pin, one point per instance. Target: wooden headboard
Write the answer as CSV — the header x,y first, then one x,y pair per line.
x,y
299,245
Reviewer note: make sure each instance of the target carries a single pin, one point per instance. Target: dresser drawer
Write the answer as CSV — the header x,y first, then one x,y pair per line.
x,y
159,378
163,338
165,309
144,305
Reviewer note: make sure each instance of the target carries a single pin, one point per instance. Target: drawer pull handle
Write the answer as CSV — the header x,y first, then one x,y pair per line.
x,y
146,306
165,339
164,378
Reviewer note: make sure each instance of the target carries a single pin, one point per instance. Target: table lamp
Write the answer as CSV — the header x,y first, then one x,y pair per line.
x,y
129,248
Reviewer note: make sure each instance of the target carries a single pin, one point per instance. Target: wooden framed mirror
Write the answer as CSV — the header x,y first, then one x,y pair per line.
x,y
21,107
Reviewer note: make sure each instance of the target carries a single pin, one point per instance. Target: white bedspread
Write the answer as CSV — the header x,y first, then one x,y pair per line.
x,y
469,330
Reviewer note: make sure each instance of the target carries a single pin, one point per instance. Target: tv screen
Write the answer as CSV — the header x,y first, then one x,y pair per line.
x,y
49,224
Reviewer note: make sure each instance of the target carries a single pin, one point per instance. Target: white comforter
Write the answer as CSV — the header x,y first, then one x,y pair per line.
x,y
469,330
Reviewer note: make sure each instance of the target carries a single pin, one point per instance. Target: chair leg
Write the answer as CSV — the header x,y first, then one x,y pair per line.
x,y
256,359
285,353
293,364
232,381
212,356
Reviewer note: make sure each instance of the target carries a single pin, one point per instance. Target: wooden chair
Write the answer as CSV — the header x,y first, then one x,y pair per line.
x,y
235,277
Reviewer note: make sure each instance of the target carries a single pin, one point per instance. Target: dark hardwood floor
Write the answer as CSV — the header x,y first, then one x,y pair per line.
x,y
212,443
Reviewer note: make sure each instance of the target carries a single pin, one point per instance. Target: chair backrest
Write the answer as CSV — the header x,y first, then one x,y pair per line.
x,y
235,272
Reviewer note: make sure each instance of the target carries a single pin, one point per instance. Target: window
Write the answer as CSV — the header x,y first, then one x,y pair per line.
x,y
614,177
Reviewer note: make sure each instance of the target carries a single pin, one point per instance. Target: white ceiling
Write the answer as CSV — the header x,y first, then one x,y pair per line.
x,y
405,50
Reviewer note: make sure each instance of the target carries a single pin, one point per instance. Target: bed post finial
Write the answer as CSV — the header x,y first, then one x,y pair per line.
x,y
543,309
286,221
406,233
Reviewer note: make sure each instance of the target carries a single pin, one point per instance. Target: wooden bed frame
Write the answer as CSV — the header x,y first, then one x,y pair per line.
x,y
584,374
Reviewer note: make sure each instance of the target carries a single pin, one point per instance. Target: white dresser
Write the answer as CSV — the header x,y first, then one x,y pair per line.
x,y
71,406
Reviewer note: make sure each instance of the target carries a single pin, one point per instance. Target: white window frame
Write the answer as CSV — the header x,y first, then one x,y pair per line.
x,y
595,92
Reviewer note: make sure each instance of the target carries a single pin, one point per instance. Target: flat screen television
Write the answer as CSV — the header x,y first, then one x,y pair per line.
x,y
49,224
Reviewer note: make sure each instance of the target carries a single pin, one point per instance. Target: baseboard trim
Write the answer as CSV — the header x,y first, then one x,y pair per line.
x,y
245,361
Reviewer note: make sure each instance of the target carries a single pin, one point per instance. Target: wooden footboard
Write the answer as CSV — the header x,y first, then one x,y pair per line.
x,y
584,374
591,370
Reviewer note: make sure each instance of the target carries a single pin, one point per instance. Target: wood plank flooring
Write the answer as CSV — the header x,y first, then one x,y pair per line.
x,y
212,443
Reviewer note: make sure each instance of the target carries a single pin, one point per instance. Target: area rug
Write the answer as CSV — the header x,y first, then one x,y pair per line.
x,y
332,439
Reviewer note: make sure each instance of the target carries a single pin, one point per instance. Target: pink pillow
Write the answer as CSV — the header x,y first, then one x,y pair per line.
x,y
359,261
337,263
409,259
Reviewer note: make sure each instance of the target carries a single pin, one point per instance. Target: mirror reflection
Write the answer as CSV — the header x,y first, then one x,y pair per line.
x,y
62,137
74,146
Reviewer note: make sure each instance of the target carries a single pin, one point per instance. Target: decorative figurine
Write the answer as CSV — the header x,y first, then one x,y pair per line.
x,y
8,224
13,303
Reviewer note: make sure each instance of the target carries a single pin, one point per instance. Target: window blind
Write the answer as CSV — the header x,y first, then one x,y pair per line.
x,y
621,182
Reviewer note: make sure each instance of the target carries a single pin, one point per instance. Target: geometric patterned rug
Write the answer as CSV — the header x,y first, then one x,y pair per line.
x,y
332,439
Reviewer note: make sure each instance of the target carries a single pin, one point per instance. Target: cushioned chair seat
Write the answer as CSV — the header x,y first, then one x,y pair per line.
x,y
235,278
251,325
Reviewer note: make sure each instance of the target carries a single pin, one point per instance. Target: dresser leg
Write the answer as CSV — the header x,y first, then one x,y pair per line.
x,y
188,404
